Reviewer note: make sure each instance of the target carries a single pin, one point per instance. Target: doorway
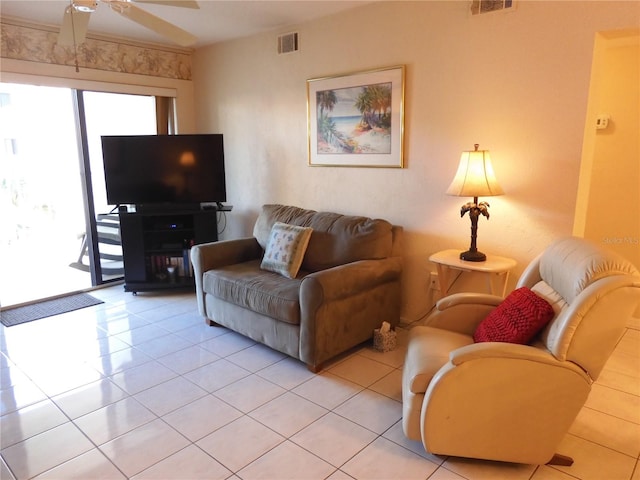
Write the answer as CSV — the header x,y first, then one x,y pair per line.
x,y
48,187
608,201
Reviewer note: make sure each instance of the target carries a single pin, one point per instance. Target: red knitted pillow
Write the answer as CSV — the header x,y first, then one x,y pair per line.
x,y
517,319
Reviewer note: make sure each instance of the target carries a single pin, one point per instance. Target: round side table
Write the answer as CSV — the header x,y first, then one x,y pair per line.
x,y
495,268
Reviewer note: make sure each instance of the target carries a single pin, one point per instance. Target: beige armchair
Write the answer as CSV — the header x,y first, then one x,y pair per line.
x,y
513,402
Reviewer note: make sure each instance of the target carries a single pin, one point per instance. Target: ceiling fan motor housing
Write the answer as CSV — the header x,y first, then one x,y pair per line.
x,y
87,6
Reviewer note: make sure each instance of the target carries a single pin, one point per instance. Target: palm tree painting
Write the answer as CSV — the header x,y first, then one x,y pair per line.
x,y
354,120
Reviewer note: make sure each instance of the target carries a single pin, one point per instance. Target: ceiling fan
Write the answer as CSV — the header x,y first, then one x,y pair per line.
x,y
76,19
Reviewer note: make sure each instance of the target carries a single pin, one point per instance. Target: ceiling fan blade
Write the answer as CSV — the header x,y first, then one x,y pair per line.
x,y
73,22
166,29
172,3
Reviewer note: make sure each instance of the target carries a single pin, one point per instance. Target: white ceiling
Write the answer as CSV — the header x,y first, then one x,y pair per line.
x,y
215,21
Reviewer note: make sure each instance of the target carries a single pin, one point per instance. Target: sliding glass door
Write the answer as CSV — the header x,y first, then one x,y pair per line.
x,y
110,114
40,194
52,194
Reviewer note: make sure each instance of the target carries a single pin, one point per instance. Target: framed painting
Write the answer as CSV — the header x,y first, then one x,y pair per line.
x,y
357,119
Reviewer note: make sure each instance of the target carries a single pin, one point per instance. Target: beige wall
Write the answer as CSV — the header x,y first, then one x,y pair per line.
x,y
517,83
608,206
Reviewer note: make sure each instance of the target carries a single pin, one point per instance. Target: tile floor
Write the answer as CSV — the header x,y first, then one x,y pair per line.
x,y
139,387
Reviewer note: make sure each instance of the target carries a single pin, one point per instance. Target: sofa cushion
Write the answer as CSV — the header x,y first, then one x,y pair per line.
x,y
517,319
285,249
246,285
336,239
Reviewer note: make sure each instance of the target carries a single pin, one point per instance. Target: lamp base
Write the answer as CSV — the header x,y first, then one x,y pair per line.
x,y
473,256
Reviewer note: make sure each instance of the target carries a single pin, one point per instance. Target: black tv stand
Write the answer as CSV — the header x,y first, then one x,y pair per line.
x,y
156,244
152,208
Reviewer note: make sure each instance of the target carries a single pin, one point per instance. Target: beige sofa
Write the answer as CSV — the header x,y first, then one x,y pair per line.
x,y
348,284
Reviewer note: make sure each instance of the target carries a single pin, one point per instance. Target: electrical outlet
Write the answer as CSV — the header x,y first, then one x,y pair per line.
x,y
602,121
433,281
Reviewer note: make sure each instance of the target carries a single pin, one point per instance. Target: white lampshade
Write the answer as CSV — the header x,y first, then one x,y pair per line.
x,y
475,177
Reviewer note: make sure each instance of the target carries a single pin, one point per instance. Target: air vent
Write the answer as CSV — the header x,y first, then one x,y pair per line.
x,y
288,43
478,7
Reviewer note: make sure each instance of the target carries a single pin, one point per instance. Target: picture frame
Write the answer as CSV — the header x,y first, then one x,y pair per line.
x,y
357,119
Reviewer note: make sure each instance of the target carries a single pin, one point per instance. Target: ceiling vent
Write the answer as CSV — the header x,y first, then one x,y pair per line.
x,y
288,43
478,7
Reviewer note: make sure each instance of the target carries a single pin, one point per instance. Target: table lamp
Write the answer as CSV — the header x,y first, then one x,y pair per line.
x,y
474,178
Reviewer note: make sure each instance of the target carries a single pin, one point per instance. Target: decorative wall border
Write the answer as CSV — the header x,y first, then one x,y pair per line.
x,y
36,43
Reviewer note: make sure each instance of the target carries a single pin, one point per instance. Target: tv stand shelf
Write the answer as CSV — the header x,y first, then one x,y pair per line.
x,y
156,247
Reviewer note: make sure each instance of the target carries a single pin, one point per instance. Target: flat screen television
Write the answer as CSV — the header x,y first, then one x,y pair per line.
x,y
177,170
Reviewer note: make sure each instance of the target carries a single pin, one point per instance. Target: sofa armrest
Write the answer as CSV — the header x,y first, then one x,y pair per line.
x,y
507,351
226,252
207,256
349,279
341,306
457,299
520,391
462,312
